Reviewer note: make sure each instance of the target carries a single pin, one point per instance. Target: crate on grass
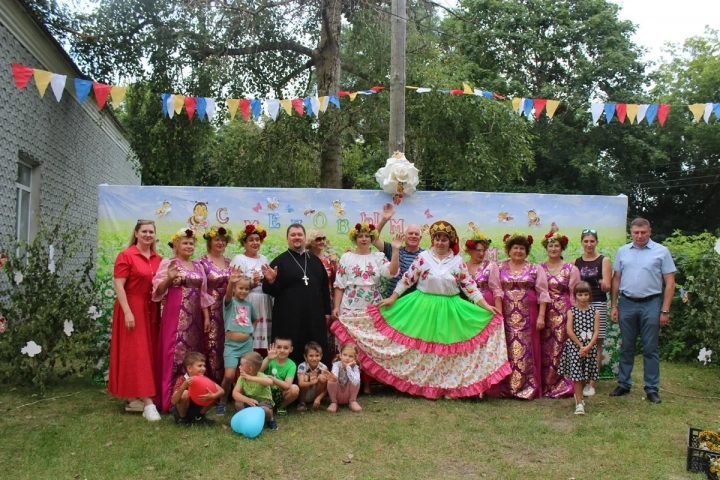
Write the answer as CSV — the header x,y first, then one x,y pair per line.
x,y
698,459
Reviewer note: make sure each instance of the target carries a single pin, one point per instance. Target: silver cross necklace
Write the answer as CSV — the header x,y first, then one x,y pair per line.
x,y
304,270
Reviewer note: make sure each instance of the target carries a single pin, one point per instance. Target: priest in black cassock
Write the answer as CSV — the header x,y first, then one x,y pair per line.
x,y
298,282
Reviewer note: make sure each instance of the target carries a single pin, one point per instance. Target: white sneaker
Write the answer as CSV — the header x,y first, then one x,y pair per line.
x,y
151,414
588,391
579,409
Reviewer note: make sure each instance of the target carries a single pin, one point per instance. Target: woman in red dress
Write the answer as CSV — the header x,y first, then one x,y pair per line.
x,y
135,323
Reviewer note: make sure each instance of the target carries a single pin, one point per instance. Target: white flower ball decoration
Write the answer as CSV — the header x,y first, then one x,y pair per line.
x,y
398,176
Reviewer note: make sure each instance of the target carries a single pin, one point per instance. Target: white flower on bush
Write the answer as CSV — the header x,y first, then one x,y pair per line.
x,y
31,349
397,169
94,312
18,278
68,327
705,355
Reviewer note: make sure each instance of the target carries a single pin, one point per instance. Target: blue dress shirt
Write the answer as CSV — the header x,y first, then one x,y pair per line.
x,y
642,269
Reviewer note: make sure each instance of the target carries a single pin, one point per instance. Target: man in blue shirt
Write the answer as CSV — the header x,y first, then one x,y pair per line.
x,y
408,253
640,269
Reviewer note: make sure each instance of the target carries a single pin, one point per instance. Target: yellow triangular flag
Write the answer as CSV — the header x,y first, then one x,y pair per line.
x,y
352,96
118,95
467,90
178,102
632,111
697,110
42,80
232,104
287,106
323,103
414,88
516,104
550,107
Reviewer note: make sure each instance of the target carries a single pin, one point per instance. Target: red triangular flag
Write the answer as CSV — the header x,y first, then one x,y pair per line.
x,y
663,110
22,75
499,97
539,104
621,111
245,108
298,105
190,104
456,92
343,93
377,88
101,92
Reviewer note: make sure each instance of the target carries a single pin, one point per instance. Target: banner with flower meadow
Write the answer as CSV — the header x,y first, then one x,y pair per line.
x,y
336,212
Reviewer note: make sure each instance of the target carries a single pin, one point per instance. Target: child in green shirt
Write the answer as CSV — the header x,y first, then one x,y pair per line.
x,y
282,370
253,388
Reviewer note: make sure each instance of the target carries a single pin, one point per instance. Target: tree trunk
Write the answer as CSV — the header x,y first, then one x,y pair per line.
x,y
396,142
328,83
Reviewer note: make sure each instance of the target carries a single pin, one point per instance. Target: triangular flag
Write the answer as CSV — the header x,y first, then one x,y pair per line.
x,y
323,103
516,104
57,83
101,92
492,95
256,107
352,96
273,107
478,93
527,107
165,97
343,93
443,91
642,110
201,107
377,88
697,110
609,111
170,104
287,106
716,110
632,111
410,86
467,90
621,111
423,90
334,100
297,104
456,91
21,74
315,105
708,112
551,107
308,106
82,89
596,109
245,108
539,105
232,104
118,95
190,104
663,110
178,102
651,113
211,108
42,80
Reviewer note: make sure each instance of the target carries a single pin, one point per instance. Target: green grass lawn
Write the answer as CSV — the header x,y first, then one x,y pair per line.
x,y
87,435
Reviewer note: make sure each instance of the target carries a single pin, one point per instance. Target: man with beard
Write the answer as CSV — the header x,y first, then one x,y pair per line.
x,y
298,282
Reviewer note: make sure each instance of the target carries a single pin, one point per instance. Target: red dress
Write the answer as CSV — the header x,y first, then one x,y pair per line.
x,y
132,353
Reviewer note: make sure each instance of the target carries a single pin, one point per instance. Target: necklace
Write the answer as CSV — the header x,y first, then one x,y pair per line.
x,y
304,270
554,270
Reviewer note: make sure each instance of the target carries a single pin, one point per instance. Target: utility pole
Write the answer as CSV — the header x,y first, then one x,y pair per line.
x,y
397,77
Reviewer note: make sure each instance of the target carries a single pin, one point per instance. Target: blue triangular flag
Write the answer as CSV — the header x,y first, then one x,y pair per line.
x,y
443,91
256,107
200,107
716,110
165,97
527,107
651,113
487,94
308,106
82,89
335,100
609,111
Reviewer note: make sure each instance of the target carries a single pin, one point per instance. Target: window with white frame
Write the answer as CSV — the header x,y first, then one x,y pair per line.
x,y
24,189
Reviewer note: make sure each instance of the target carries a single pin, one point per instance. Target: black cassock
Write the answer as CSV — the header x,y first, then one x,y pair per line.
x,y
299,310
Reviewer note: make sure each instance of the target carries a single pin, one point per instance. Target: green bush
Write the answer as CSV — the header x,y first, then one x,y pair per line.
x,y
37,305
694,323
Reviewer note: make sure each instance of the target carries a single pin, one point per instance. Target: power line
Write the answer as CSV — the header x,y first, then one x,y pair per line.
x,y
696,169
682,186
679,179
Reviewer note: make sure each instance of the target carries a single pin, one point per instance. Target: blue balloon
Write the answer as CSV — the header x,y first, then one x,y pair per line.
x,y
248,421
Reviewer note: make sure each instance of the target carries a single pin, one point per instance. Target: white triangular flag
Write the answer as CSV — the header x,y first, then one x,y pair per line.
x,y
315,103
642,110
596,109
707,112
210,109
171,106
423,90
478,93
273,107
57,83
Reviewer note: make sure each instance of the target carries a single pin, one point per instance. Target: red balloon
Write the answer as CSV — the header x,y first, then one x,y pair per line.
x,y
200,387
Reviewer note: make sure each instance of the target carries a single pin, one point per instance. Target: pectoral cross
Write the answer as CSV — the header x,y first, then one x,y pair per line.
x,y
305,278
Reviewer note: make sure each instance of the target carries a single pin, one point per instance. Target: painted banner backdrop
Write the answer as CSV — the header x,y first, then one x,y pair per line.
x,y
337,211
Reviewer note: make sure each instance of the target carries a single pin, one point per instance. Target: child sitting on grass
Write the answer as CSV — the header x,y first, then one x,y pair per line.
x,y
344,380
312,377
282,370
253,388
184,409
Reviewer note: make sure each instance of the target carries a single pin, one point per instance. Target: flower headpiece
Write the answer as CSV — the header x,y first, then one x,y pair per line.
x,y
472,242
251,229
364,228
508,237
219,231
182,233
555,237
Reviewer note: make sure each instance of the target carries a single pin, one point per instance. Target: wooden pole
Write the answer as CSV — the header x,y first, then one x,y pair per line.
x,y
397,77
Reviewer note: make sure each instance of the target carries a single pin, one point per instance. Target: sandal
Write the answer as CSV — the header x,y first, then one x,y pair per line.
x,y
301,407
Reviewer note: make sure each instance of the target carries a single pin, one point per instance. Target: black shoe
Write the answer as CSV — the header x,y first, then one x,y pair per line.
x,y
182,422
619,391
654,397
203,420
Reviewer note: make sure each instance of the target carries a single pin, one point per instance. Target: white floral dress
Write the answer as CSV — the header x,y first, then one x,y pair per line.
x,y
359,275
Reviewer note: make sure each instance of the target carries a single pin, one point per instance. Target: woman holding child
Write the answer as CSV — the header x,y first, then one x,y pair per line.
x,y
182,283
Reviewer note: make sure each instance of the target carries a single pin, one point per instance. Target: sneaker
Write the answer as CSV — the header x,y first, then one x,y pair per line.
x,y
271,424
220,410
203,420
588,391
580,409
281,411
151,414
136,406
182,422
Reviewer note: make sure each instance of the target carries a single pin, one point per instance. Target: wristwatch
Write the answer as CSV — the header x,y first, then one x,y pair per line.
x,y
665,311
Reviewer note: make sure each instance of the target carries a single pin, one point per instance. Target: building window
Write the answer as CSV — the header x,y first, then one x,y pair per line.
x,y
24,188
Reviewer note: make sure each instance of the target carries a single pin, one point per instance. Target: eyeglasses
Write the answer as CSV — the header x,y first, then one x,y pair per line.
x,y
320,239
589,230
